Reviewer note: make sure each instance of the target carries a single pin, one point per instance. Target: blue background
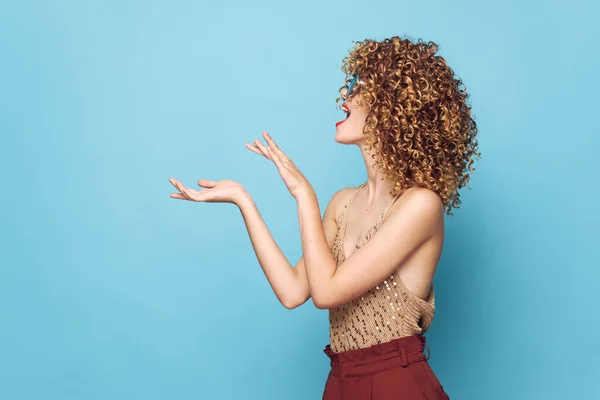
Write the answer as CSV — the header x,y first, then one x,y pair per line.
x,y
109,289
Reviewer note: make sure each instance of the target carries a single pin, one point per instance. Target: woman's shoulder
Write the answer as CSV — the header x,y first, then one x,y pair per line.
x,y
346,192
341,198
343,195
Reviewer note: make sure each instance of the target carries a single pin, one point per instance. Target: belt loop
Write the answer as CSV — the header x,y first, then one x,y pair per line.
x,y
403,357
402,353
340,370
428,351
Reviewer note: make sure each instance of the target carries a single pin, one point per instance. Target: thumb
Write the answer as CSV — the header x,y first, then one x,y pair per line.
x,y
206,183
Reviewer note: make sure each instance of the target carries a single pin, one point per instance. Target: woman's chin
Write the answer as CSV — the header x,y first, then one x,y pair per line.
x,y
338,135
347,134
341,138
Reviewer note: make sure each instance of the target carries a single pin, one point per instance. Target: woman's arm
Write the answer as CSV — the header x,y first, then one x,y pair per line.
x,y
289,283
404,231
329,285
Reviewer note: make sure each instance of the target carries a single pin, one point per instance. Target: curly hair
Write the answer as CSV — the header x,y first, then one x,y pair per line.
x,y
419,122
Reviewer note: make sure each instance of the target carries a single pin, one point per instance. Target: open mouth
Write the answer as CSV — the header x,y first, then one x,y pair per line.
x,y
346,109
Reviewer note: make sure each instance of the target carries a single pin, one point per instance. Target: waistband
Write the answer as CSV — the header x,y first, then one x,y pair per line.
x,y
360,362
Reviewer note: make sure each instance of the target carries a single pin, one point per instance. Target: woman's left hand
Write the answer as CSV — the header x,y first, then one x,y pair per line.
x,y
295,181
223,191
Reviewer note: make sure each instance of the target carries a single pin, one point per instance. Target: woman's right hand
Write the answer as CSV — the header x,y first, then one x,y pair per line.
x,y
223,191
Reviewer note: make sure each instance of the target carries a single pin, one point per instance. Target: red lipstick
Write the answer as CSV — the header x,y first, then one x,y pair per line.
x,y
345,108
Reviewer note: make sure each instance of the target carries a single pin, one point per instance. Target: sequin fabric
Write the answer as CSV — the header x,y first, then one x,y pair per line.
x,y
386,312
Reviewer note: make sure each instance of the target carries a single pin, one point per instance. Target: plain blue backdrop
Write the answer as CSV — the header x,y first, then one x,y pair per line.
x,y
110,289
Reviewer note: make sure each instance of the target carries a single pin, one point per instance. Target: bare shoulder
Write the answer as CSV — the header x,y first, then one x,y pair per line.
x,y
423,202
341,198
424,196
334,206
343,195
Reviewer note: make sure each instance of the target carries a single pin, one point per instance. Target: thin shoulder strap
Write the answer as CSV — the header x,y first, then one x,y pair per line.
x,y
355,193
345,210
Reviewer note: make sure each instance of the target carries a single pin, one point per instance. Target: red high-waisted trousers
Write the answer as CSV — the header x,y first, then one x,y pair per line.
x,y
393,370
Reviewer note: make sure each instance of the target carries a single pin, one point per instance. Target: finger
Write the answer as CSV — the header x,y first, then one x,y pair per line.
x,y
275,158
262,148
173,182
181,188
270,140
178,196
177,184
256,150
272,144
207,183
191,194
196,195
283,160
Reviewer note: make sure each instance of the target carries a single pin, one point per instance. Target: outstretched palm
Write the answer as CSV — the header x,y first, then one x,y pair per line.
x,y
228,191
224,191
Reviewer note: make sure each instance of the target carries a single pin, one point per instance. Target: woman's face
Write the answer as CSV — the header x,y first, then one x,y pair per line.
x,y
350,130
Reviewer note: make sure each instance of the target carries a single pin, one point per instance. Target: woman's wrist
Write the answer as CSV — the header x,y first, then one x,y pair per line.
x,y
243,198
306,193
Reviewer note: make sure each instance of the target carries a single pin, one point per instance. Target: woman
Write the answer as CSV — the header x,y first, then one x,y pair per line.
x,y
372,257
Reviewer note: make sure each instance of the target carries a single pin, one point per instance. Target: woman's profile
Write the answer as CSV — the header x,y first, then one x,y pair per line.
x,y
371,259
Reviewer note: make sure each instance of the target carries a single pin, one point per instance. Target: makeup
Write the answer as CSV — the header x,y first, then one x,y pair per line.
x,y
346,109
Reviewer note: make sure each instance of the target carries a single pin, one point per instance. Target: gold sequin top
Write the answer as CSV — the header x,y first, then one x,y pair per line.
x,y
386,312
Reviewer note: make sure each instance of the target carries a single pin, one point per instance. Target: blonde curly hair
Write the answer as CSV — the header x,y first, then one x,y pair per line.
x,y
419,122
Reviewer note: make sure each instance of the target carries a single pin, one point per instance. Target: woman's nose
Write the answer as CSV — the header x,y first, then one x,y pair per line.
x,y
343,93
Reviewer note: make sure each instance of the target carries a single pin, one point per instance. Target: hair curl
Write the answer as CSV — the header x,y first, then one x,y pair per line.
x,y
419,122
